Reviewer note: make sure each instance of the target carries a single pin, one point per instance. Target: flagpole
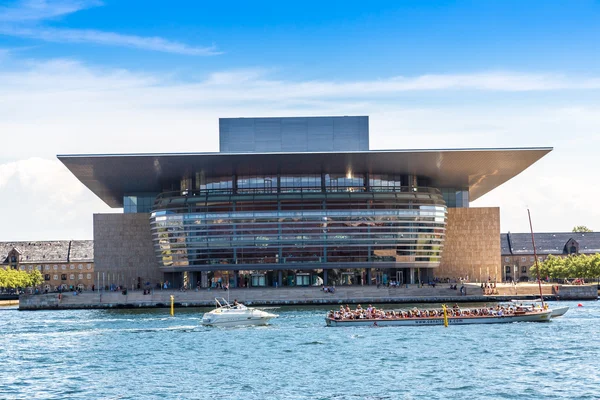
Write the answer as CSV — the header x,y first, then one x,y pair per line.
x,y
537,268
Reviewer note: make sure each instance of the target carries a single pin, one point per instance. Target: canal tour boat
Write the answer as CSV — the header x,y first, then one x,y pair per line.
x,y
465,317
235,314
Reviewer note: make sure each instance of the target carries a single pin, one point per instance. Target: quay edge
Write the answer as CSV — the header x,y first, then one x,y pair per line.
x,y
282,297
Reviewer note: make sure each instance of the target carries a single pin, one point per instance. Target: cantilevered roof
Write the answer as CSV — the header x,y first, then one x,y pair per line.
x,y
110,176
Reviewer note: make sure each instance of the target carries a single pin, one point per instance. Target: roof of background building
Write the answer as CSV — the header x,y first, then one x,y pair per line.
x,y
49,251
549,243
110,177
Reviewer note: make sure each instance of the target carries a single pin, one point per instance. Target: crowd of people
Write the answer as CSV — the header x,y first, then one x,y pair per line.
x,y
346,313
489,288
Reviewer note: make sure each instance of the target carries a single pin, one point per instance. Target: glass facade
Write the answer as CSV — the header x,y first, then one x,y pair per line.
x,y
456,198
138,203
300,230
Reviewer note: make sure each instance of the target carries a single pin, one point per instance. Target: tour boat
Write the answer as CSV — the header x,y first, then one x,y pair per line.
x,y
536,315
235,314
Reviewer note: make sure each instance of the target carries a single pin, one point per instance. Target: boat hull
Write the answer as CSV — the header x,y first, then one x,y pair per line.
x,y
542,316
237,321
237,317
559,311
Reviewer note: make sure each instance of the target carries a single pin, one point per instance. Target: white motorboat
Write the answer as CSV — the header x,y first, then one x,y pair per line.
x,y
235,314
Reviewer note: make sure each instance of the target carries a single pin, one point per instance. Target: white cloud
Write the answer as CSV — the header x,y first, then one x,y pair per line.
x,y
63,106
37,10
26,19
108,38
43,200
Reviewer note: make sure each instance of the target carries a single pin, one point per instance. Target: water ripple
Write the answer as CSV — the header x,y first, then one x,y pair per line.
x,y
134,354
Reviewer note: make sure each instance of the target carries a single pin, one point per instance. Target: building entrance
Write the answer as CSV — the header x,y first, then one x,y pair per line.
x,y
400,278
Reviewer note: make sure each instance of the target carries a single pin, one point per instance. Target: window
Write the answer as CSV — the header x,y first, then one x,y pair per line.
x,y
506,259
63,267
80,276
89,266
63,277
80,266
305,183
72,276
524,270
56,267
55,277
47,277
89,276
39,267
47,268
531,259
523,259
507,269
379,183
30,267
72,266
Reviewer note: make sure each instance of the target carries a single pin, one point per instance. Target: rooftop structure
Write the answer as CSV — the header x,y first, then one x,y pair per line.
x,y
115,176
286,135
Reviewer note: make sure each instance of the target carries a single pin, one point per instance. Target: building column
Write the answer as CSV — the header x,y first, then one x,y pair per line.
x,y
324,277
279,278
235,278
368,276
411,278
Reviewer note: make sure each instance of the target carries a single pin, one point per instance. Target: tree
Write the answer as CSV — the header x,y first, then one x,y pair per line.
x,y
13,278
581,228
35,278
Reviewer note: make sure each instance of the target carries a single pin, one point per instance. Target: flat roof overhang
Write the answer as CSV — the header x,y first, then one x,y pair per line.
x,y
111,176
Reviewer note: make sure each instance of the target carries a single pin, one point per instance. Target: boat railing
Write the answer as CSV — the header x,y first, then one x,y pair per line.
x,y
222,303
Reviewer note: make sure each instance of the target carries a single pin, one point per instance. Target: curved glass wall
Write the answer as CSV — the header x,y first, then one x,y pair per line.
x,y
300,230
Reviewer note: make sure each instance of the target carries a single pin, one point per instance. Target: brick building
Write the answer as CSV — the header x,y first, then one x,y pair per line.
x,y
65,264
517,250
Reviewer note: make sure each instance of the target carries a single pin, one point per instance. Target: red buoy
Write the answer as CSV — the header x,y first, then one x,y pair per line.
x,y
579,305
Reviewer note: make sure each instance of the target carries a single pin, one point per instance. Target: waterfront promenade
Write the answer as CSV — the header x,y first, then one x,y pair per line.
x,y
298,296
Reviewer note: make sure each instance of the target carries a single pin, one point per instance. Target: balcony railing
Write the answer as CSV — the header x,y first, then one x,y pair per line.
x,y
298,190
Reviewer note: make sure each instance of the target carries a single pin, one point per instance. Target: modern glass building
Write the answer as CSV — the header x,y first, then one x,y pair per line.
x,y
289,201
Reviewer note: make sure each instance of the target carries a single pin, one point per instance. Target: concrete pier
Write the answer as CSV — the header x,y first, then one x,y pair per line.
x,y
291,296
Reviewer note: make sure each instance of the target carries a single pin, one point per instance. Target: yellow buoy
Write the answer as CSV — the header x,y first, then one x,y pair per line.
x,y
172,305
445,315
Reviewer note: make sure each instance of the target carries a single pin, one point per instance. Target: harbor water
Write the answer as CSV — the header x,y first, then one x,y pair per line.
x,y
147,354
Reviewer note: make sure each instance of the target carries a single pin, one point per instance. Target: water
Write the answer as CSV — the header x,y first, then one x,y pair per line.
x,y
146,354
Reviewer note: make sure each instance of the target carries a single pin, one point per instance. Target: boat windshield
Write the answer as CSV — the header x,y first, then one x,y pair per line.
x,y
222,303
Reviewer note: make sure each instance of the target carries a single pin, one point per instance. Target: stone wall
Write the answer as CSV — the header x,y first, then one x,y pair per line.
x,y
578,292
472,244
123,250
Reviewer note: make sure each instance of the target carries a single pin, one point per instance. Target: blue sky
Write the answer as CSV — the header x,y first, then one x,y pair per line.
x,y
90,76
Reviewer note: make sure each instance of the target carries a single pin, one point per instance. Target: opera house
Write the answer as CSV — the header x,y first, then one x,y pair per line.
x,y
297,202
